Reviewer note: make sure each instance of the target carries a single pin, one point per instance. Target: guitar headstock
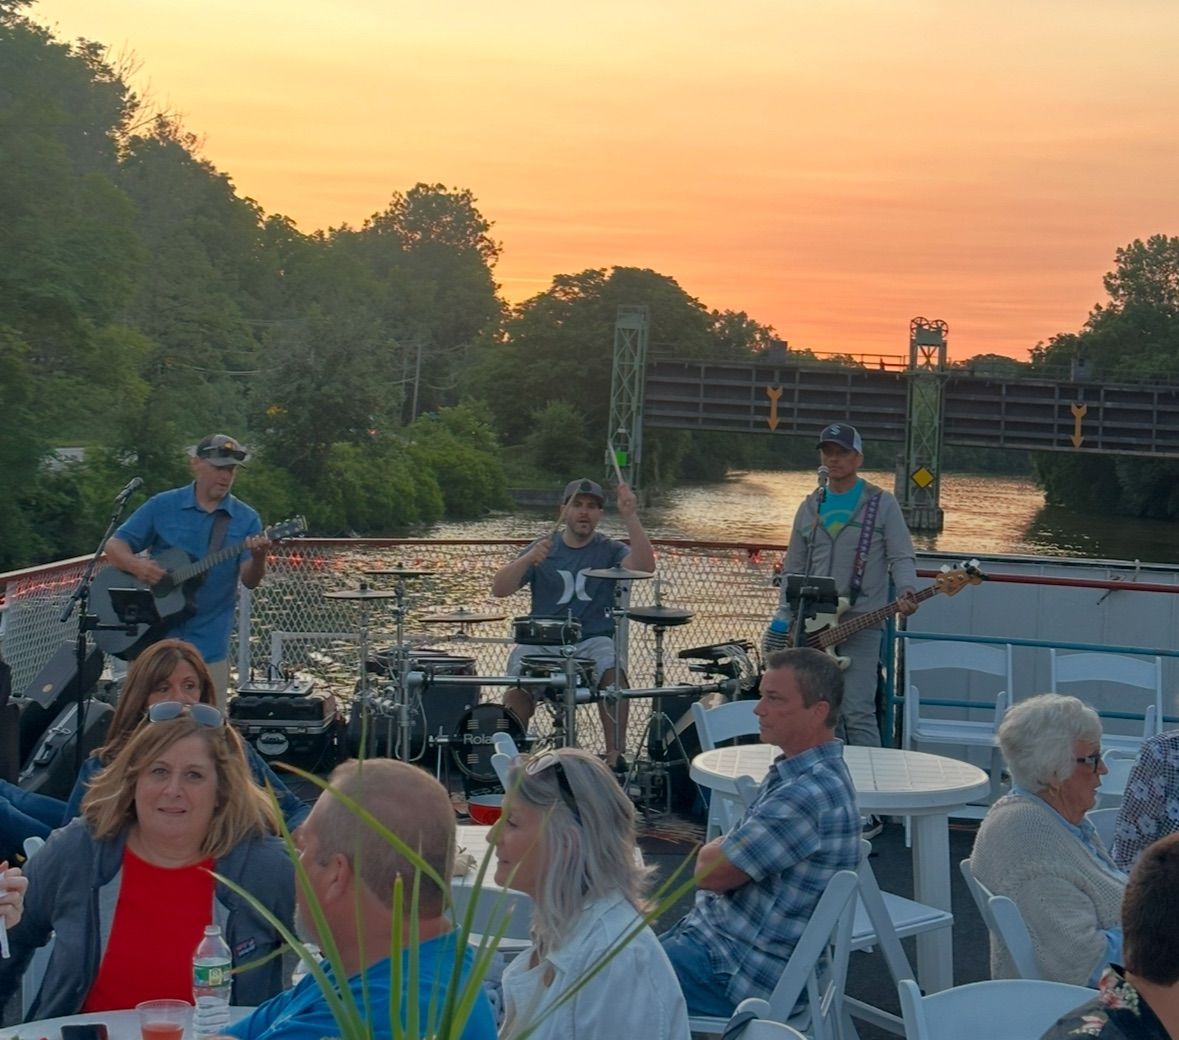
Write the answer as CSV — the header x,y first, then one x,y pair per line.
x,y
291,528
954,579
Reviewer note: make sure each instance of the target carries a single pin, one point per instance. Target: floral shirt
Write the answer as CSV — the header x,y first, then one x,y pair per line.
x,y
1116,1013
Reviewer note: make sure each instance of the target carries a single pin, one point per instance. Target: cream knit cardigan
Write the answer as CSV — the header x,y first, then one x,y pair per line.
x,y
1025,851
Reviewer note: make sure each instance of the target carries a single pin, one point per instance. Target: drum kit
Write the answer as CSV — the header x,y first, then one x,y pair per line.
x,y
388,716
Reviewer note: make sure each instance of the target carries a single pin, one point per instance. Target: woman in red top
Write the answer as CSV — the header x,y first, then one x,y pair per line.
x,y
127,888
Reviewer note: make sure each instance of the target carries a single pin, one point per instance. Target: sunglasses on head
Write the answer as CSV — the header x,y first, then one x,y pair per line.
x,y
202,714
221,451
539,763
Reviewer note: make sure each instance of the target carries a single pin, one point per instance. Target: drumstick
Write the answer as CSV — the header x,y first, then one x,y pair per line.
x,y
614,459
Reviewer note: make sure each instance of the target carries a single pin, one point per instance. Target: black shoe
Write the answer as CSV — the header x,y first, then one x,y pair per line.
x,y
873,825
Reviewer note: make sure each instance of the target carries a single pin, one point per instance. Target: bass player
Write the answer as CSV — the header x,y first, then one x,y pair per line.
x,y
859,538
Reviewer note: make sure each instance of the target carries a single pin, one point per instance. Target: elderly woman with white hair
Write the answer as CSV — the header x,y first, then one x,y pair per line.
x,y
567,839
1037,847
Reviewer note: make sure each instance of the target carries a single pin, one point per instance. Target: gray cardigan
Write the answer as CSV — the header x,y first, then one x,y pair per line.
x,y
74,888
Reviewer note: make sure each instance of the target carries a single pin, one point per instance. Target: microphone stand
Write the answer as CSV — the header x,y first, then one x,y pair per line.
x,y
88,622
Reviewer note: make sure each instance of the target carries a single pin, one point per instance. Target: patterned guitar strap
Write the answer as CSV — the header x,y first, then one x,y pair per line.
x,y
861,561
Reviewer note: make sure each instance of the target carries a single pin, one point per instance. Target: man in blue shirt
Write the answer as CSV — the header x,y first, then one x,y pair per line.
x,y
185,518
351,870
760,882
554,567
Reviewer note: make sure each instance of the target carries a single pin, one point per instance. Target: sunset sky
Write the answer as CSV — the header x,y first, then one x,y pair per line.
x,y
833,168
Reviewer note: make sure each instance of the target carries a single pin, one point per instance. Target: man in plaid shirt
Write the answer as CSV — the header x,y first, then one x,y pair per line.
x,y
761,881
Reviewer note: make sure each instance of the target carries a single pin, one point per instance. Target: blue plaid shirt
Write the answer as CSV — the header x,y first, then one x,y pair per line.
x,y
802,829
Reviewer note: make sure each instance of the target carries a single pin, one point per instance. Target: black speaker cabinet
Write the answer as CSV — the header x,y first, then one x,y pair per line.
x,y
53,688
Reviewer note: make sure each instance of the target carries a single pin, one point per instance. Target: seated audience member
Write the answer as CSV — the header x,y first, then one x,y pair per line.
x,y
567,839
351,871
762,880
127,889
1036,846
170,670
1150,806
1141,1000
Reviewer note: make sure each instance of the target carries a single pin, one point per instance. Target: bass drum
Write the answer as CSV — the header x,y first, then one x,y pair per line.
x,y
473,742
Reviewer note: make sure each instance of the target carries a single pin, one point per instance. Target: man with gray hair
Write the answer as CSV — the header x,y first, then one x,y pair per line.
x,y
761,881
351,872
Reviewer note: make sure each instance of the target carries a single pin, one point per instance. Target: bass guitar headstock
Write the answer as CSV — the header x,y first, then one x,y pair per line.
x,y
954,579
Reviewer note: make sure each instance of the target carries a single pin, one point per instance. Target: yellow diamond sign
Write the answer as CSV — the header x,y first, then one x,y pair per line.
x,y
922,477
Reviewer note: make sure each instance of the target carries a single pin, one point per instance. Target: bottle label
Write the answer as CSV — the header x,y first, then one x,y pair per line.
x,y
207,976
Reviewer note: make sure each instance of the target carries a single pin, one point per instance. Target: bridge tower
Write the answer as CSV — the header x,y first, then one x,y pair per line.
x,y
919,473
627,382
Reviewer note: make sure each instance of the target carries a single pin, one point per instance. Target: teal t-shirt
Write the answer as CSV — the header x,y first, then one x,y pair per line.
x,y
836,511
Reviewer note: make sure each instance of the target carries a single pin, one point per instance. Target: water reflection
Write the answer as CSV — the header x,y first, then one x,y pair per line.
x,y
984,514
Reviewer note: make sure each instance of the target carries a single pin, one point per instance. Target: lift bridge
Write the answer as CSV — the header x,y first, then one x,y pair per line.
x,y
921,405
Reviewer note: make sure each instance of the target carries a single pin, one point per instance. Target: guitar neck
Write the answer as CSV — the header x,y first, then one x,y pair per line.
x,y
183,574
832,636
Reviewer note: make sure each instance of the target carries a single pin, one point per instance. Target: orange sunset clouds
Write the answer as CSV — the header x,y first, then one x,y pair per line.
x,y
833,168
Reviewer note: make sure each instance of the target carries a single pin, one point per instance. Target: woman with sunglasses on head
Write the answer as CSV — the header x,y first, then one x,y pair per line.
x,y
170,670
567,839
1036,847
127,889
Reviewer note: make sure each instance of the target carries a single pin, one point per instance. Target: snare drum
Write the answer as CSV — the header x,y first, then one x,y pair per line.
x,y
546,631
541,666
473,742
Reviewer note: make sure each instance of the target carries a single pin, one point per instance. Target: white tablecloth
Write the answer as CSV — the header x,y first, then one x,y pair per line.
x,y
888,782
120,1025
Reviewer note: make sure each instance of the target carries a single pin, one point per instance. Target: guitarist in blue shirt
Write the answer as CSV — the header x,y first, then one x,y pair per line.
x,y
185,518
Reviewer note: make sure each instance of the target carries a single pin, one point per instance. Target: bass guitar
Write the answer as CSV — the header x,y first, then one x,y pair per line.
x,y
173,596
824,631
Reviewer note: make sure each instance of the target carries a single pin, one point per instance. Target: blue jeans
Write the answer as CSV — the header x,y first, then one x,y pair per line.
x,y
25,815
704,988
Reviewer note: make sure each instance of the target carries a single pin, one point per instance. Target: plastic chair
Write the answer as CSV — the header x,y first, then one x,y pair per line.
x,y
764,1029
1105,820
977,658
883,919
1119,761
713,727
503,743
1100,670
1005,922
1014,1009
818,967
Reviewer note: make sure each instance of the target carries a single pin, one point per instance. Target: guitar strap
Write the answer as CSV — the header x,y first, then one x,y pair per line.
x,y
217,534
861,561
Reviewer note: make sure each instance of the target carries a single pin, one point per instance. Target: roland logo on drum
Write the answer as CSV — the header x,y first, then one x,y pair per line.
x,y
477,738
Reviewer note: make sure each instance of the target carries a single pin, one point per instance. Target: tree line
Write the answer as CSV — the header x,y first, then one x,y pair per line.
x,y
377,370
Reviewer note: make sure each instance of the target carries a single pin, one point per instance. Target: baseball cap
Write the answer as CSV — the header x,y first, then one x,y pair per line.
x,y
584,486
219,449
841,433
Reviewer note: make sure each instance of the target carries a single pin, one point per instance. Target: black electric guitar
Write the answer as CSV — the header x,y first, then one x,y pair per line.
x,y
173,596
824,631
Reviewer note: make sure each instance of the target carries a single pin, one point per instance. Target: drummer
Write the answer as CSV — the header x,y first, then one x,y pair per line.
x,y
554,567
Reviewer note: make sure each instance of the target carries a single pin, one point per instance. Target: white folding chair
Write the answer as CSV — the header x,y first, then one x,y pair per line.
x,y
713,727
1096,672
1005,922
1014,1009
1119,761
1105,820
764,1029
817,967
500,763
503,743
982,659
882,919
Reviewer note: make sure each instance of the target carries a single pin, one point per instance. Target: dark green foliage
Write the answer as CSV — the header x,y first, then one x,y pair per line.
x,y
559,443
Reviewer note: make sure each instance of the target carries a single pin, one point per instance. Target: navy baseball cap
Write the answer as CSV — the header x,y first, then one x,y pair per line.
x,y
584,486
842,434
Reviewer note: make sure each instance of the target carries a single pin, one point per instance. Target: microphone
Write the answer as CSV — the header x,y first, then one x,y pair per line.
x,y
824,474
132,485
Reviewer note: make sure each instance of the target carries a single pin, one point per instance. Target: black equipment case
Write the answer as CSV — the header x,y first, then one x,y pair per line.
x,y
288,721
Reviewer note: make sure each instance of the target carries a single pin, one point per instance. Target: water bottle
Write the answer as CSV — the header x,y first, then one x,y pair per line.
x,y
211,983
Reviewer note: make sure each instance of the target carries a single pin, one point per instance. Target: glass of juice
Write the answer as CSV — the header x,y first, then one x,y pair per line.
x,y
163,1019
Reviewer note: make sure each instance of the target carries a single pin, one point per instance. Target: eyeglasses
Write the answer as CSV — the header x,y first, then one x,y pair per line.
x,y
540,763
202,714
1093,760
222,451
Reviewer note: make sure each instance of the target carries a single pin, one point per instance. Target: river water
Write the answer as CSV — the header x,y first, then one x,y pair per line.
x,y
983,514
